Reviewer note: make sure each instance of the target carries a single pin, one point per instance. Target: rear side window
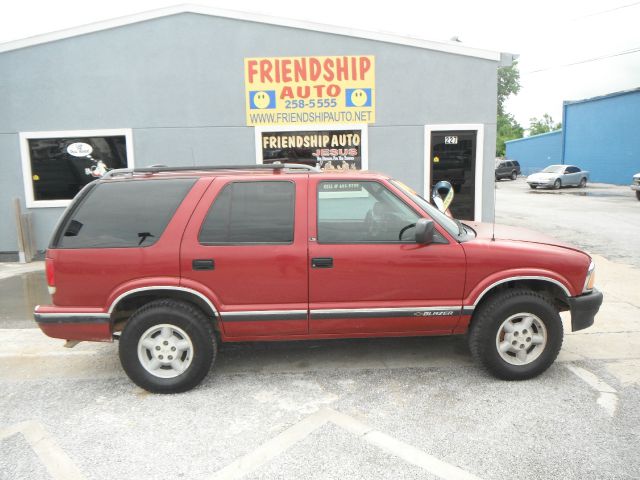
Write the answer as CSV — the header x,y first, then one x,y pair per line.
x,y
251,212
123,214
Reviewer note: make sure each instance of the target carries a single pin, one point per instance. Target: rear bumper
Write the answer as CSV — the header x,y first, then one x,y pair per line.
x,y
584,308
74,325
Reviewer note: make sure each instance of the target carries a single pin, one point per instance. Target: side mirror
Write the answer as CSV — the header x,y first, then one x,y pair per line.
x,y
424,231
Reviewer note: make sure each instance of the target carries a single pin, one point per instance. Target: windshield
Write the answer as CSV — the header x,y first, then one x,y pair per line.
x,y
554,169
447,223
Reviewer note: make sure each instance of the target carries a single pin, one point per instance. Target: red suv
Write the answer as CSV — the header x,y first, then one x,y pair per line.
x,y
171,261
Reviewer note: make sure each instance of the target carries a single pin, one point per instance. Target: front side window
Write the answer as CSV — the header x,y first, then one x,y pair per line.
x,y
362,212
131,213
251,213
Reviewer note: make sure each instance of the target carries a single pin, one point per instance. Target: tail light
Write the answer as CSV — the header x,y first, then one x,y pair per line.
x,y
51,276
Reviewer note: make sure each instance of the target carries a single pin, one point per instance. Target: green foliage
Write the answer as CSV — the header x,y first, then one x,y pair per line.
x,y
543,125
507,126
508,84
507,129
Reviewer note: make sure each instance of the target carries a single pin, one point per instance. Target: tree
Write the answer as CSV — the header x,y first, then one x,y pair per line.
x,y
543,125
507,127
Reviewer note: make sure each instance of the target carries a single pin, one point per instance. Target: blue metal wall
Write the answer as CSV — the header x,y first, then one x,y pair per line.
x,y
536,152
602,135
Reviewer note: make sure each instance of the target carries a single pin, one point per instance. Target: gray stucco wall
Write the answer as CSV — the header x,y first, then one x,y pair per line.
x,y
178,82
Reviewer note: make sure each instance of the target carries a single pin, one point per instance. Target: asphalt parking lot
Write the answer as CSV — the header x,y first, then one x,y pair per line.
x,y
384,408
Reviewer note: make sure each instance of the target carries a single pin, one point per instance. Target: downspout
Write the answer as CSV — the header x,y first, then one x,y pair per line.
x,y
564,130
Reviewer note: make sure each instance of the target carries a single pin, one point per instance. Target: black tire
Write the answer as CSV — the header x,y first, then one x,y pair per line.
x,y
185,318
514,175
532,187
487,324
557,185
583,182
638,194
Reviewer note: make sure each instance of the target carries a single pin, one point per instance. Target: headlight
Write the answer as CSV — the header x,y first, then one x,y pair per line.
x,y
591,278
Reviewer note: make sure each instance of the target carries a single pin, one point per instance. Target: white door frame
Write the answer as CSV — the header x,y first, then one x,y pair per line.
x,y
479,129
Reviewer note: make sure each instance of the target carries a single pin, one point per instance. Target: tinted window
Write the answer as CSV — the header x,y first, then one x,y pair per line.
x,y
251,212
58,174
357,212
508,164
573,169
124,214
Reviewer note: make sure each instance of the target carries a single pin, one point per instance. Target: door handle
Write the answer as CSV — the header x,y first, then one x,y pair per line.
x,y
203,264
322,262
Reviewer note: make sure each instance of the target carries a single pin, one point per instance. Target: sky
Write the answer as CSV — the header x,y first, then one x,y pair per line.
x,y
568,50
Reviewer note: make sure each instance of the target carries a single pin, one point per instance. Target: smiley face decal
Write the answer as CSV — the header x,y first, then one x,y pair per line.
x,y
358,97
261,99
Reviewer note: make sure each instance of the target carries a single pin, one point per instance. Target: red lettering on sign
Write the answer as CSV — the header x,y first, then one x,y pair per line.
x,y
315,68
333,90
328,69
251,66
303,91
300,69
286,92
342,68
265,71
365,65
286,70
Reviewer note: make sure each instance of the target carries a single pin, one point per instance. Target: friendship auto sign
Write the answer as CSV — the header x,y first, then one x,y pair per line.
x,y
310,90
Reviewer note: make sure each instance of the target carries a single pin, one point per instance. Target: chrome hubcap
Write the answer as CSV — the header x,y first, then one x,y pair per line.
x,y
165,350
521,338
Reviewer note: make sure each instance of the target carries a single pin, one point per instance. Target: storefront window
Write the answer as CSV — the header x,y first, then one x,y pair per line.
x,y
57,165
331,148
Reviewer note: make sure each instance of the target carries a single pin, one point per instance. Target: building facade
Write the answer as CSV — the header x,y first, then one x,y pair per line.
x,y
536,152
195,86
599,134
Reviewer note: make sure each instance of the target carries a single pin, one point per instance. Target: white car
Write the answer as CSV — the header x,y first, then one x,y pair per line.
x,y
636,185
558,176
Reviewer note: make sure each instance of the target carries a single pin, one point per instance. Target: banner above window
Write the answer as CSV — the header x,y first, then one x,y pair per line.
x,y
338,148
310,90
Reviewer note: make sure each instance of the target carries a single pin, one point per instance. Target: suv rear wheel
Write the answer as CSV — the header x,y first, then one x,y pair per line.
x,y
516,335
514,175
167,346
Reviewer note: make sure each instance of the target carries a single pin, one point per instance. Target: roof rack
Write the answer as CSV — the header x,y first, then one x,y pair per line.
x,y
207,168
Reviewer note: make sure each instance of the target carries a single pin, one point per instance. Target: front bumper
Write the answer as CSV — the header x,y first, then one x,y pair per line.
x,y
584,308
73,325
548,184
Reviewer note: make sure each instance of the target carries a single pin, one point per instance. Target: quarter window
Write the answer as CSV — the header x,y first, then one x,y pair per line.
x,y
130,213
251,212
362,212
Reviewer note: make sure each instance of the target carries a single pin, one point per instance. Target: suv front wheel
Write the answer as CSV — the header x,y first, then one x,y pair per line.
x,y
516,335
167,346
